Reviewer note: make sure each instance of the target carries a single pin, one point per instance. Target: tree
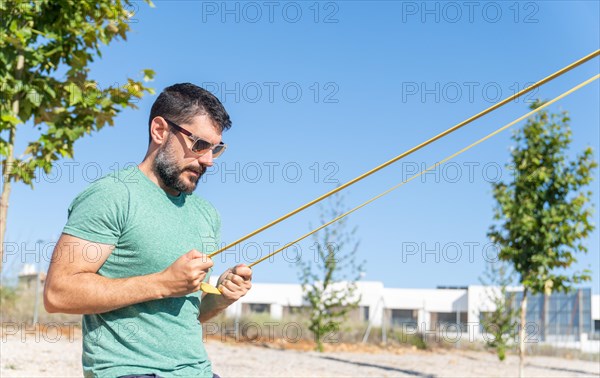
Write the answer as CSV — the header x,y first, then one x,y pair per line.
x,y
501,322
329,285
45,49
544,214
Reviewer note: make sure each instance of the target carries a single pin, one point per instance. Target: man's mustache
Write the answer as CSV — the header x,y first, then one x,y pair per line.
x,y
199,170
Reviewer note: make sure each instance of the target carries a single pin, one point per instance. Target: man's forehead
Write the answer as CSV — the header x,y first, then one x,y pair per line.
x,y
204,122
204,127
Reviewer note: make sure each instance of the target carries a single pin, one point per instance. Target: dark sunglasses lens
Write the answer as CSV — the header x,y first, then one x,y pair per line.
x,y
201,146
218,150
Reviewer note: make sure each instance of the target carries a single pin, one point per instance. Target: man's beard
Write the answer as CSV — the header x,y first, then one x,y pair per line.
x,y
166,167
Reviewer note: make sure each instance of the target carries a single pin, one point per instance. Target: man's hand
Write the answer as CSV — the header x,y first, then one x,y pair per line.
x,y
235,282
186,274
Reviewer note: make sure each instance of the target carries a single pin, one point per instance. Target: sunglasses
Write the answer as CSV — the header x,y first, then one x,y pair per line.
x,y
199,146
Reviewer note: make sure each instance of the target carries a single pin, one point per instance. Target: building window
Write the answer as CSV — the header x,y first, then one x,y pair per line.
x,y
404,317
256,308
560,316
292,311
451,321
365,313
485,321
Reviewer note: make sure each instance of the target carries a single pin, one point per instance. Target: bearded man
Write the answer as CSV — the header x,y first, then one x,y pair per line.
x,y
131,257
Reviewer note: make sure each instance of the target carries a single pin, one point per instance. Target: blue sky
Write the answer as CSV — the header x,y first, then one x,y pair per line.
x,y
320,92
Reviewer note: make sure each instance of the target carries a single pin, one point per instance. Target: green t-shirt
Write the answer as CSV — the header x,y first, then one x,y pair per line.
x,y
150,229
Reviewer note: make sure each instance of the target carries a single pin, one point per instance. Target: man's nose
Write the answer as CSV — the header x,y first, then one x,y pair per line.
x,y
206,159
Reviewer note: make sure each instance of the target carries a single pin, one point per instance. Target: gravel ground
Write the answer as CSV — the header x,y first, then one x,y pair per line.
x,y
43,358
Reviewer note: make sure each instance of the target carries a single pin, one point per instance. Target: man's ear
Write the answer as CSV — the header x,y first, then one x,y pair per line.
x,y
159,130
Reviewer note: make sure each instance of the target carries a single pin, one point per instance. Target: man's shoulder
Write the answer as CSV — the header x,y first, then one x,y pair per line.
x,y
111,186
100,212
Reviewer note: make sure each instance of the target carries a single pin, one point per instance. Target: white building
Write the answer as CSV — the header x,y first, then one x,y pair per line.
x,y
571,320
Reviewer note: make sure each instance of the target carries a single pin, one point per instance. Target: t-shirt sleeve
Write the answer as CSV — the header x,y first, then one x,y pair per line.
x,y
99,213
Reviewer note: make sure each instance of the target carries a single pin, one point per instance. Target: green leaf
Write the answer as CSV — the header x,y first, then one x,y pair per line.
x,y
148,75
75,95
34,97
10,119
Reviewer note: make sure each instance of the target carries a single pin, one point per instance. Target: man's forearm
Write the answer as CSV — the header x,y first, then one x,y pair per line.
x,y
211,306
91,293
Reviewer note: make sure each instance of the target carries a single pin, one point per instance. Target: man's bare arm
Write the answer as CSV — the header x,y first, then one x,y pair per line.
x,y
74,286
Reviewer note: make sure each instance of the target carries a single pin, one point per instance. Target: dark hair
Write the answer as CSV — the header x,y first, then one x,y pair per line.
x,y
181,102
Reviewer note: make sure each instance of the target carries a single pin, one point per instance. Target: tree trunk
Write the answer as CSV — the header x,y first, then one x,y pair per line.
x,y
319,346
522,333
319,333
8,165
